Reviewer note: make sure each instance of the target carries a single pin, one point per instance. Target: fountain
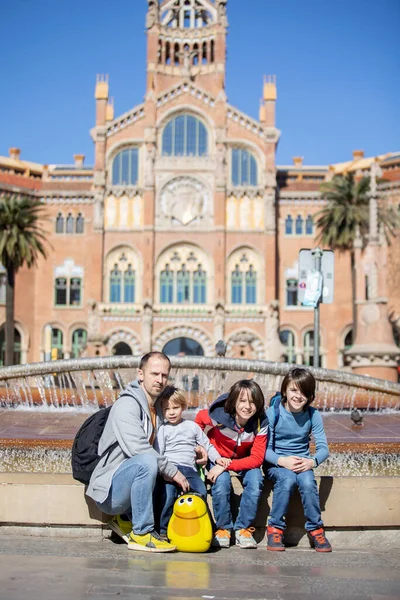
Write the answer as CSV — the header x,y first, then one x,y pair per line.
x,y
43,404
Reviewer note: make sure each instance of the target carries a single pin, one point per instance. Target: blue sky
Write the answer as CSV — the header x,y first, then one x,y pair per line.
x,y
337,65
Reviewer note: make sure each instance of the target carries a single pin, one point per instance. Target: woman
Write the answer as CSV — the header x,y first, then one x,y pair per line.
x,y
238,431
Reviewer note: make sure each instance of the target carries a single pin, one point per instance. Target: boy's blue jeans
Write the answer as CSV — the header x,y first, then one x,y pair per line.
x,y
170,492
285,482
252,481
131,492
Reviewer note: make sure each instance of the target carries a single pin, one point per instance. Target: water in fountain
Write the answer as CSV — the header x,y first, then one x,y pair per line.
x,y
84,386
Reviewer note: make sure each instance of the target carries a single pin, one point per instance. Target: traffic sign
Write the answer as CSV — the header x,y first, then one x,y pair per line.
x,y
307,269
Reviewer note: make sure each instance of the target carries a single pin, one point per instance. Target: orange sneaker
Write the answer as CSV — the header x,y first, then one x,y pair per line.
x,y
275,539
244,538
221,539
318,540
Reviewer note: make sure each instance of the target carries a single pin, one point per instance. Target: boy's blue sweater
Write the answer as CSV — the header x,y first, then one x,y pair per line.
x,y
292,435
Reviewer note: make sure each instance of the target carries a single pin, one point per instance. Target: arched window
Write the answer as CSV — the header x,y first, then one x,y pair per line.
x,y
309,225
199,286
289,225
80,223
195,54
79,338
61,291
185,135
299,225
176,54
183,285
308,349
57,344
237,286
287,339
182,277
167,53
204,54
69,224
75,291
17,347
212,53
291,292
129,285
166,285
251,285
244,168
60,223
348,340
125,167
115,284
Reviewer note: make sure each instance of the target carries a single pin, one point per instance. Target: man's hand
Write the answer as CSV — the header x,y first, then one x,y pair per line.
x,y
290,462
223,462
181,480
201,456
214,473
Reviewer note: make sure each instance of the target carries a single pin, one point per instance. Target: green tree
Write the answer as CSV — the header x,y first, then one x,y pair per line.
x,y
345,218
22,240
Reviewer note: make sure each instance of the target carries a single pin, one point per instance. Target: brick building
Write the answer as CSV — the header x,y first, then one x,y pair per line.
x,y
185,231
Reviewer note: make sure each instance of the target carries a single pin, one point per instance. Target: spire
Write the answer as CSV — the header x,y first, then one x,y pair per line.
x,y
270,88
101,89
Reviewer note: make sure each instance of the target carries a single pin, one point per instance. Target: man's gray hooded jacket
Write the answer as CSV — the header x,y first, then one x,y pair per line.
x,y
129,424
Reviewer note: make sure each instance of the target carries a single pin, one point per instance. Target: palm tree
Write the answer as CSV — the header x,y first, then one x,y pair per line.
x,y
21,242
345,218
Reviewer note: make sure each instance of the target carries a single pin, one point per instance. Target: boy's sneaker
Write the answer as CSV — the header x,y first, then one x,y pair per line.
x,y
244,538
275,539
122,527
149,542
221,539
318,540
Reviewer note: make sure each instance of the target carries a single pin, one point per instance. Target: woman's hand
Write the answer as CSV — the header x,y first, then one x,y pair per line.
x,y
214,473
224,462
306,464
181,481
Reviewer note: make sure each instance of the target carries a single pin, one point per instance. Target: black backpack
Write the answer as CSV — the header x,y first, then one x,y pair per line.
x,y
84,456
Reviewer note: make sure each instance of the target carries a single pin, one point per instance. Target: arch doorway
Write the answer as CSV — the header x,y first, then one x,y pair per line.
x,y
183,346
17,347
121,349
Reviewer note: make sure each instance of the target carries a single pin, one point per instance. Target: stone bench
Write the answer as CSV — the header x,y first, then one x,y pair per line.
x,y
57,500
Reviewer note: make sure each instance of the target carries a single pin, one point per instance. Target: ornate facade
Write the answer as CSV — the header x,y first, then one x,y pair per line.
x,y
184,231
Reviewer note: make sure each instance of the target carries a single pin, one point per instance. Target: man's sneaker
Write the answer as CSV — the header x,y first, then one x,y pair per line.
x,y
318,540
122,527
244,538
275,539
149,542
221,539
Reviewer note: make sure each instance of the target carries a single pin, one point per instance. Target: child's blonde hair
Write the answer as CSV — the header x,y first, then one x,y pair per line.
x,y
172,394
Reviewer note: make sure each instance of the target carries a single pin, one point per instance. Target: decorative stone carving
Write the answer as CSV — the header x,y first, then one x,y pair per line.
x,y
221,166
184,201
222,17
219,323
274,350
149,165
94,334
152,14
147,325
247,338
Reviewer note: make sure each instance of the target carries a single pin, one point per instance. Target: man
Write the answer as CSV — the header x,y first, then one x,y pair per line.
x,y
123,482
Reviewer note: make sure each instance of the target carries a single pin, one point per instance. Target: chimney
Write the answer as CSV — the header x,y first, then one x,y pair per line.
x,y
79,160
358,154
15,153
298,161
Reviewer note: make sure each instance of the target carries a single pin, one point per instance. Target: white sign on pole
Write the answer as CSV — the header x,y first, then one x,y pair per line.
x,y
307,265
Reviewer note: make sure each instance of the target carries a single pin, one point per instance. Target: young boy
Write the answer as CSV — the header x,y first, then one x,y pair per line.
x,y
288,460
177,439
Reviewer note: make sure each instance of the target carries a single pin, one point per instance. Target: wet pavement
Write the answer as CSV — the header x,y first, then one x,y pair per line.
x,y
61,568
59,428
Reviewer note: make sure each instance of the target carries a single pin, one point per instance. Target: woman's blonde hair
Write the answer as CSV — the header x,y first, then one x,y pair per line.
x,y
172,394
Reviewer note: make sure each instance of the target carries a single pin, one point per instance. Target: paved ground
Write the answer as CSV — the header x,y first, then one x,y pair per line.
x,y
61,569
62,426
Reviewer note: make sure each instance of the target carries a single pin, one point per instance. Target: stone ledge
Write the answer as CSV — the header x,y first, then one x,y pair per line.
x,y
58,500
